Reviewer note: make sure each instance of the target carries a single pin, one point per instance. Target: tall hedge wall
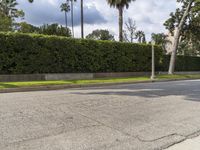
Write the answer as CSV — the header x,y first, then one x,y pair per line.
x,y
183,63
25,54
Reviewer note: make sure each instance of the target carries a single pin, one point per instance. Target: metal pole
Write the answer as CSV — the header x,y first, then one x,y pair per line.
x,y
82,20
153,62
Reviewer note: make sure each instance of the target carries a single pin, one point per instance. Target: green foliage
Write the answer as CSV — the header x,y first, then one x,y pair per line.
x,y
140,35
8,13
183,63
33,53
55,29
26,28
101,35
161,40
119,3
5,23
9,8
52,29
65,7
190,33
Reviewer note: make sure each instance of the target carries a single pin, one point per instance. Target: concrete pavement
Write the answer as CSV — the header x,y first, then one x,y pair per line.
x,y
149,116
190,144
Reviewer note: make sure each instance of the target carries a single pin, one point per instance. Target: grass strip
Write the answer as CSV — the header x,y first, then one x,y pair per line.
x,y
4,85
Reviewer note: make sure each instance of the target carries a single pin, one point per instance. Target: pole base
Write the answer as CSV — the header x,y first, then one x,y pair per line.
x,y
152,77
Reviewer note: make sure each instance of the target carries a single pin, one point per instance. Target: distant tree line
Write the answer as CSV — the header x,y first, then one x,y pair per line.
x,y
46,29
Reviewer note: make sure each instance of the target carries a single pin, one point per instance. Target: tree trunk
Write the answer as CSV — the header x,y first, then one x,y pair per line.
x,y
82,20
132,36
66,19
120,24
72,17
140,39
176,39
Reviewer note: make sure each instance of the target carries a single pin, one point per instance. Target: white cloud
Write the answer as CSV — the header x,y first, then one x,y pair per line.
x,y
148,14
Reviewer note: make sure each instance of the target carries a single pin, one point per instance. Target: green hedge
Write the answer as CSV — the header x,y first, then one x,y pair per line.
x,y
28,53
183,63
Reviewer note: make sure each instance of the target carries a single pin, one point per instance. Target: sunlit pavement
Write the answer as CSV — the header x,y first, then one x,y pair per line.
x,y
190,144
124,117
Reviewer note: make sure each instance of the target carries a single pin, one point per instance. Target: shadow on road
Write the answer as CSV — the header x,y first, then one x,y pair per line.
x,y
189,89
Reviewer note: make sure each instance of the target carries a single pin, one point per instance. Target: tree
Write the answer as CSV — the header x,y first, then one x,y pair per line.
x,y
140,35
72,15
130,31
120,4
27,28
5,23
161,40
54,29
8,12
65,8
190,35
189,48
82,20
100,35
8,7
177,22
193,35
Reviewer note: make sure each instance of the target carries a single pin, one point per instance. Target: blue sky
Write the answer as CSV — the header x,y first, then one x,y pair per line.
x,y
148,14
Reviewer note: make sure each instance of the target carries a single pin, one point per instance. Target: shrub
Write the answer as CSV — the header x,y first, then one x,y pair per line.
x,y
31,53
183,63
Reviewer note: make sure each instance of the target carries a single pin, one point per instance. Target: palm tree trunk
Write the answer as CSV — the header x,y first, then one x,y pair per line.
x,y
72,16
82,20
120,24
66,19
176,39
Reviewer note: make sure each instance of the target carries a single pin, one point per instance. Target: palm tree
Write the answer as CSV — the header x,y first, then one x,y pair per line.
x,y
82,20
120,4
65,8
8,7
140,35
72,15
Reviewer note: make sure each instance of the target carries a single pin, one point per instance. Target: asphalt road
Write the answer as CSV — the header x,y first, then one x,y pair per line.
x,y
124,117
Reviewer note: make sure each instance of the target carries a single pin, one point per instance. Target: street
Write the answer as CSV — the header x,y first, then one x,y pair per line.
x,y
150,116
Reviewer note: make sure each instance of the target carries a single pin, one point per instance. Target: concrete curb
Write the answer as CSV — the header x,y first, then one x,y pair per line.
x,y
60,87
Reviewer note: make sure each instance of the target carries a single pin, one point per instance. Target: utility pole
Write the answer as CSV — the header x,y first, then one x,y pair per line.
x,y
153,60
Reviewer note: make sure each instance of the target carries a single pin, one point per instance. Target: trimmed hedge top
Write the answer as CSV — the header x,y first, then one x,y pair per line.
x,y
31,53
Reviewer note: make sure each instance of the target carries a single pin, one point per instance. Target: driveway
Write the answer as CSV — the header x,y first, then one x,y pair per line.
x,y
149,116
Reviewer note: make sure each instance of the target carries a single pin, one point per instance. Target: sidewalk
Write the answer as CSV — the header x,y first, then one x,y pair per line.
x,y
190,144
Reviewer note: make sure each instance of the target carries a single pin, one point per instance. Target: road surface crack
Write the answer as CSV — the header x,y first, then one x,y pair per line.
x,y
157,139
